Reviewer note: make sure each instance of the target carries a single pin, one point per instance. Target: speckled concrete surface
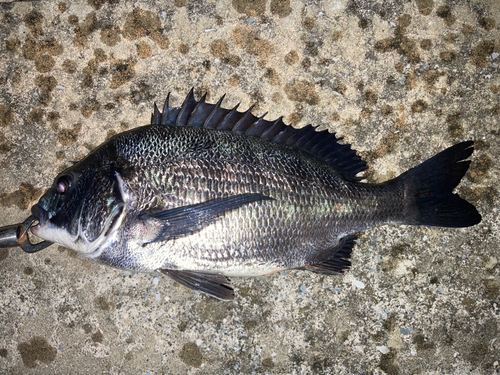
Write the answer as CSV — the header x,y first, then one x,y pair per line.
x,y
399,80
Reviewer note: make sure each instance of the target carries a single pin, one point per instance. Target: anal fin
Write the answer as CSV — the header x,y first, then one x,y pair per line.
x,y
338,259
214,285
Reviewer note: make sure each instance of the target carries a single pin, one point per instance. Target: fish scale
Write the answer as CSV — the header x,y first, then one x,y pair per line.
x,y
203,193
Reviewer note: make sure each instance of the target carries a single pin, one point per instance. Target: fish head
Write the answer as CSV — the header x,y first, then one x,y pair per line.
x,y
83,210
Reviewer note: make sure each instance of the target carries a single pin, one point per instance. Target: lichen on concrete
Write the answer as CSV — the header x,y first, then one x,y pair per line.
x,y
398,80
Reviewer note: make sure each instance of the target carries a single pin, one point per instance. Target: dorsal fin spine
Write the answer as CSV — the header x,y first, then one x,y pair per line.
x,y
164,114
239,127
226,118
215,110
255,125
185,110
275,124
156,116
198,107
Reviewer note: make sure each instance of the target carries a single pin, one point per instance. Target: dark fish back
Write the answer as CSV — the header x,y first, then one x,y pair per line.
x,y
322,145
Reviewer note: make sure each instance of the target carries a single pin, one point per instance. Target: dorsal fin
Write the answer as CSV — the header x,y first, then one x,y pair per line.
x,y
321,144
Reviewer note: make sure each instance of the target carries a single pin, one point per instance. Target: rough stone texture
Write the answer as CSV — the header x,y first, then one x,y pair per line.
x,y
399,80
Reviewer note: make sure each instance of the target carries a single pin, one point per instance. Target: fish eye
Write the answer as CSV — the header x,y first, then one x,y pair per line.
x,y
63,184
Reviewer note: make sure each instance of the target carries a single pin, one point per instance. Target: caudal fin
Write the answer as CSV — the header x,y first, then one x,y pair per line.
x,y
429,190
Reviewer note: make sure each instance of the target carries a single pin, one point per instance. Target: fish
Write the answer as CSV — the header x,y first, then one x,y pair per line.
x,y
204,193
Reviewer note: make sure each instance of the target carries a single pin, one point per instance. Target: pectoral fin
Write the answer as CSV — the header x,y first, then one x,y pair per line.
x,y
185,220
214,285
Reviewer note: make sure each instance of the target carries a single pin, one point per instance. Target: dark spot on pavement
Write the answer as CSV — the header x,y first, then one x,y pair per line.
x,y
481,52
87,328
455,129
190,354
12,44
419,106
122,71
281,8
44,63
37,350
219,48
33,21
110,35
84,29
401,43
22,198
423,343
294,118
183,326
68,137
272,76
69,66
5,145
250,8
388,362
6,116
487,23
36,117
308,22
425,6
448,56
244,37
364,23
479,350
96,4
46,84
142,23
98,337
89,107
302,91
102,304
73,19
292,58
491,289
480,166
370,97
183,48
444,12
268,363
426,44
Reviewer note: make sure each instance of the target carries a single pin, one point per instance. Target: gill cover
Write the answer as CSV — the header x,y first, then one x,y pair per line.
x,y
102,209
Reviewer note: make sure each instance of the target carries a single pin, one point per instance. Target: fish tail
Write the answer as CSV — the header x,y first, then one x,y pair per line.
x,y
428,190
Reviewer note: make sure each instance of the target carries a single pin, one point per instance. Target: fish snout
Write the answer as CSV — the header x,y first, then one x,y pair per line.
x,y
40,214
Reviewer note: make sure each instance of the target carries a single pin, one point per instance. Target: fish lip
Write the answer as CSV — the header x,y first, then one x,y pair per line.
x,y
40,214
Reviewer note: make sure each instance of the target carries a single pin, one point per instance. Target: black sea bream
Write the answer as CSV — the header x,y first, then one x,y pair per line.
x,y
204,192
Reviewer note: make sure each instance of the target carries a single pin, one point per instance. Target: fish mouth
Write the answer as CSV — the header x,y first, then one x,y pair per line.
x,y
41,215
38,215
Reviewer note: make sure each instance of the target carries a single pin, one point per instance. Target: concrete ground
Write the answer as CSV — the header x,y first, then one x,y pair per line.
x,y
399,80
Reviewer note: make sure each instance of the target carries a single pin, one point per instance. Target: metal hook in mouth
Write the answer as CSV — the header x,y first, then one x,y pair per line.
x,y
24,240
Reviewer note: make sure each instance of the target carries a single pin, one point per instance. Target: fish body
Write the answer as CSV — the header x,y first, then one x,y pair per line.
x,y
204,192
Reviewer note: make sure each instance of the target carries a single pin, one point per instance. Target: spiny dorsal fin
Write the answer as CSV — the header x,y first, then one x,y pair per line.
x,y
321,144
